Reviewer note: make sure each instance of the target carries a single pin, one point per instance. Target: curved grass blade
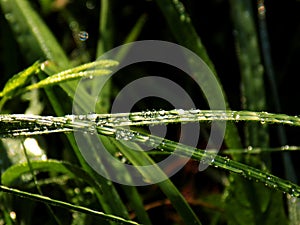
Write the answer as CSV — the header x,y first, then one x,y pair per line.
x,y
19,80
223,162
97,68
65,205
38,187
16,82
140,158
10,175
58,78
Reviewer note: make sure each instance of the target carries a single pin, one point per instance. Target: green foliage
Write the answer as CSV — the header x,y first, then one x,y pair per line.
x,y
244,182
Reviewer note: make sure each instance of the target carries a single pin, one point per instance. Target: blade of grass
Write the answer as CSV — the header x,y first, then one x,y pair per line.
x,y
140,158
105,43
222,162
252,200
65,205
37,184
22,124
266,54
43,45
15,171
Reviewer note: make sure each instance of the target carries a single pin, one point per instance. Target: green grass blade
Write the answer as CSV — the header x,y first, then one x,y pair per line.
x,y
105,43
35,39
290,172
136,203
42,45
58,78
16,82
27,125
19,80
140,158
106,27
259,200
14,172
65,205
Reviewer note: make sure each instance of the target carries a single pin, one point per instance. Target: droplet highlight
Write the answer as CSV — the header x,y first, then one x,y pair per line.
x,y
83,35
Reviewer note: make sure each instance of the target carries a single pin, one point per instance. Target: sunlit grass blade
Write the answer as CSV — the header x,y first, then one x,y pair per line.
x,y
26,125
65,205
58,78
16,82
19,80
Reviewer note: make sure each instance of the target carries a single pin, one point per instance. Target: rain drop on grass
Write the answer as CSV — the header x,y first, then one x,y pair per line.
x,y
83,35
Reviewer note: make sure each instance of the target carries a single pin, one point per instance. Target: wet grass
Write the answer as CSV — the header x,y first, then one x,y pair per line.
x,y
48,46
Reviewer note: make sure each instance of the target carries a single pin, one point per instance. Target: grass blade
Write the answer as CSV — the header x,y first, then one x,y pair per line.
x,y
65,205
15,171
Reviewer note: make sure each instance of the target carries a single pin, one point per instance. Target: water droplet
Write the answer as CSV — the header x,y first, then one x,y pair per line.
x,y
124,135
262,121
261,9
180,111
13,215
83,35
162,112
250,148
236,116
81,117
92,116
286,147
90,5
194,111
9,17
182,17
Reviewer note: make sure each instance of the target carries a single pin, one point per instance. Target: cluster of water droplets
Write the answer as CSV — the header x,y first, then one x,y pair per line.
x,y
124,135
184,17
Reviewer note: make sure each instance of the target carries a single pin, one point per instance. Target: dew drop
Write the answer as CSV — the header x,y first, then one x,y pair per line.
x,y
13,215
286,147
237,116
194,111
124,135
9,17
250,148
90,5
182,17
92,116
83,35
